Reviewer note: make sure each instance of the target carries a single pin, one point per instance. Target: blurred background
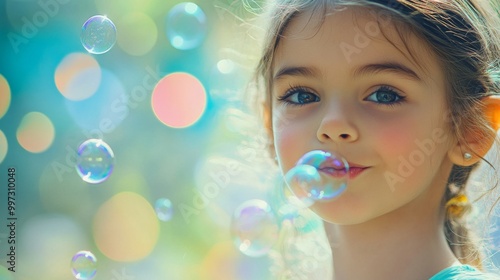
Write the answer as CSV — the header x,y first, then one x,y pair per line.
x,y
163,89
162,84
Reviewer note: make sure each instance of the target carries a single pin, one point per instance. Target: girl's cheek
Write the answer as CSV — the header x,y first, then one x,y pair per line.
x,y
290,139
410,149
396,140
286,145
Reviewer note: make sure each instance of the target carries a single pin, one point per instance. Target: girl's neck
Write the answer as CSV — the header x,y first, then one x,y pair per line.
x,y
391,246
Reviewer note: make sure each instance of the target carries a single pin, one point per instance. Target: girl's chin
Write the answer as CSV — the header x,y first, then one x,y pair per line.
x,y
334,213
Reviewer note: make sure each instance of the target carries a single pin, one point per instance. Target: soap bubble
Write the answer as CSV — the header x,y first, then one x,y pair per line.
x,y
95,161
318,176
301,181
254,228
84,265
98,34
164,209
186,26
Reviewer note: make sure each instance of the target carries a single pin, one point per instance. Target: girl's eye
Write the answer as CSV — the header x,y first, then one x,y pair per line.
x,y
299,97
385,96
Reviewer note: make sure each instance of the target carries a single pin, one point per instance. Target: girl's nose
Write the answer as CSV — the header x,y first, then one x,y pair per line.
x,y
336,127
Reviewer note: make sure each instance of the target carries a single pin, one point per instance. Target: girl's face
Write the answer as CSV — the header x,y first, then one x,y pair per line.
x,y
344,87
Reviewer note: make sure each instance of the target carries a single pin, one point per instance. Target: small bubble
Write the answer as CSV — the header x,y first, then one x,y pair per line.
x,y
186,26
95,161
98,34
84,265
164,209
254,228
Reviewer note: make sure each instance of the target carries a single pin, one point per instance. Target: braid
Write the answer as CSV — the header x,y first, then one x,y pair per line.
x,y
459,236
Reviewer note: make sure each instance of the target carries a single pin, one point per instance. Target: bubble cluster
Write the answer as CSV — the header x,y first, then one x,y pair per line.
x,y
254,228
84,265
95,161
186,26
317,176
164,209
98,34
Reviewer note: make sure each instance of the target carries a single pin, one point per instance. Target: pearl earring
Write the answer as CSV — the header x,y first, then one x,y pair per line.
x,y
467,156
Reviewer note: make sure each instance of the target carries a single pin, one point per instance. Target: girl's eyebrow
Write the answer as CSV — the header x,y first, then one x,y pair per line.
x,y
391,67
373,68
296,71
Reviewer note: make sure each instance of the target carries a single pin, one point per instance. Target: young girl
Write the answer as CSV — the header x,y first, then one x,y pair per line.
x,y
408,92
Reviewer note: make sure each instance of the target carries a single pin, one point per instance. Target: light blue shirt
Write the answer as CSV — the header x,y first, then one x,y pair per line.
x,y
463,272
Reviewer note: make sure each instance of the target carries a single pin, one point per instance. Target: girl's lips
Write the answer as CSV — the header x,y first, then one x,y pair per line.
x,y
339,173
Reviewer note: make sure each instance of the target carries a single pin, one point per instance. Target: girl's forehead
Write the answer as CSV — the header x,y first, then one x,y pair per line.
x,y
355,33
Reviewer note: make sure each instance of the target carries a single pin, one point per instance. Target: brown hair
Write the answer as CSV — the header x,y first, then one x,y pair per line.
x,y
463,36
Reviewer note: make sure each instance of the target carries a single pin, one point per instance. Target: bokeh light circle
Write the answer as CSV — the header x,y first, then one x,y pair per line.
x,y
186,26
84,265
109,106
164,209
49,240
4,146
225,66
98,34
140,36
179,100
78,76
4,96
227,80
35,132
95,161
254,228
126,227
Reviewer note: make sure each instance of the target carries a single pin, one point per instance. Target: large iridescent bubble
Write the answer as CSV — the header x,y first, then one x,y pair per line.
x,y
318,176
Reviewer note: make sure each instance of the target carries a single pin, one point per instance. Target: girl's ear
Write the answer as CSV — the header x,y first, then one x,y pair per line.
x,y
493,111
478,143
